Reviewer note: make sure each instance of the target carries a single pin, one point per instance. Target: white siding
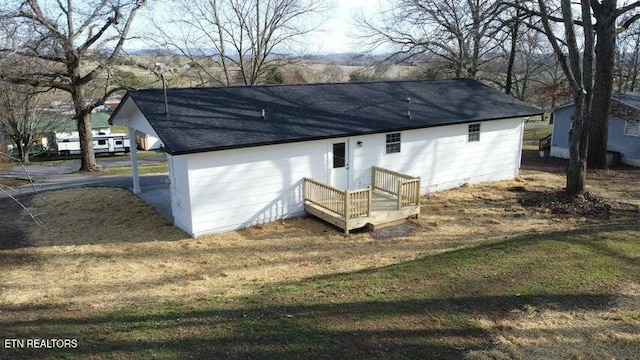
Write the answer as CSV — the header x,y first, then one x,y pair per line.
x,y
559,152
179,189
131,115
442,157
233,189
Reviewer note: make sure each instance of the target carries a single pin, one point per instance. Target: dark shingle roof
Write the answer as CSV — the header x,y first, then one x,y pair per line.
x,y
631,99
207,119
98,120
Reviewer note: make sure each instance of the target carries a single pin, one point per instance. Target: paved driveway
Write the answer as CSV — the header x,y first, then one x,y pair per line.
x,y
155,187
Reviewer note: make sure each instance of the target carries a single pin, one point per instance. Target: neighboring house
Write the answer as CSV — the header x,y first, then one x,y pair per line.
x,y
66,129
238,155
624,129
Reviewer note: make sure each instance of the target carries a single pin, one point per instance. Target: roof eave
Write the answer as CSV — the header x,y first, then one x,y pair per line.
x,y
315,138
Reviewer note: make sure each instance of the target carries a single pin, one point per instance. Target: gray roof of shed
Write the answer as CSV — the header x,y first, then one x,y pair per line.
x,y
631,99
217,118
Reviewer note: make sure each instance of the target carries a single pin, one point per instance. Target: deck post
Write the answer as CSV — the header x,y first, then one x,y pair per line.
x,y
370,201
304,189
133,153
373,177
347,209
399,194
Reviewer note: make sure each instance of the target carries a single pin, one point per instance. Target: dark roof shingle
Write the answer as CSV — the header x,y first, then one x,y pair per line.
x,y
207,119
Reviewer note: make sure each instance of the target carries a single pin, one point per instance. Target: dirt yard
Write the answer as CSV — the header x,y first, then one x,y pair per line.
x,y
88,253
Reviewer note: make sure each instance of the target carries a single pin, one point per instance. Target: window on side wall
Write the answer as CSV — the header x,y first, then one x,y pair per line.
x,y
339,155
474,132
393,143
632,127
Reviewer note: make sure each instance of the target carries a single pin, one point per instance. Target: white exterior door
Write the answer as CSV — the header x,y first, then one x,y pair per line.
x,y
339,163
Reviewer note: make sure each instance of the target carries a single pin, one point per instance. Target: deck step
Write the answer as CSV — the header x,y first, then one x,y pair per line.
x,y
374,227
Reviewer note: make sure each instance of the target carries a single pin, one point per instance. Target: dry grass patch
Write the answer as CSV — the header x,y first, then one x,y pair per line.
x,y
548,333
7,183
105,248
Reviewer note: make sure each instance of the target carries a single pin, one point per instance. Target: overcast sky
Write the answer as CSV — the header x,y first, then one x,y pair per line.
x,y
337,38
336,35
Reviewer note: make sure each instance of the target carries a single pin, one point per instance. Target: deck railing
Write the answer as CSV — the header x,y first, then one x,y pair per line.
x,y
349,204
359,202
545,143
406,188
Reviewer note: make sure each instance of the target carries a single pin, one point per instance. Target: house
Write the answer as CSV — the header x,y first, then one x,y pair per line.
x,y
240,156
624,129
66,128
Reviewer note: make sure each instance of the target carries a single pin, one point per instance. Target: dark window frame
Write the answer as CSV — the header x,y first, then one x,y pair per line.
x,y
473,132
630,125
339,155
393,143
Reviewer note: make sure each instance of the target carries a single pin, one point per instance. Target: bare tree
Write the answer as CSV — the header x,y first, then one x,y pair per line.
x,y
628,59
551,86
461,33
606,13
21,119
524,59
244,39
577,66
71,45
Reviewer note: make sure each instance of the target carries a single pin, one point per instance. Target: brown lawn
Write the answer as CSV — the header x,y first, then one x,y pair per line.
x,y
104,249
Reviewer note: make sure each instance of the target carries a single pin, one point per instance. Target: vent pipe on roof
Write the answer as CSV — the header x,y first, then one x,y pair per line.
x,y
264,114
166,100
409,114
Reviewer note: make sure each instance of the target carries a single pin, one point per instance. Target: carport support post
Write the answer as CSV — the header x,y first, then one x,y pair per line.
x,y
133,147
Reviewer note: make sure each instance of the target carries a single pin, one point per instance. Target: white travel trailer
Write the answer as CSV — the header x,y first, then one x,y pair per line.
x,y
109,143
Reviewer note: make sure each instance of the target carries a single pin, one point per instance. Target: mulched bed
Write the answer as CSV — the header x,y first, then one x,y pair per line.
x,y
559,202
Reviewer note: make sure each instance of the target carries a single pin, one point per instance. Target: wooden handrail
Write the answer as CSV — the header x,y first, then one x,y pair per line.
x,y
324,195
406,188
545,143
387,180
348,204
410,193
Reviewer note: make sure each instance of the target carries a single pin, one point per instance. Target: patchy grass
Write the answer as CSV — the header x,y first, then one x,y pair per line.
x,y
500,300
10,182
159,168
478,275
536,133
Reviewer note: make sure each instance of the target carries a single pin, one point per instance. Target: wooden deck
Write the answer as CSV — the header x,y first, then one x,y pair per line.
x,y
391,199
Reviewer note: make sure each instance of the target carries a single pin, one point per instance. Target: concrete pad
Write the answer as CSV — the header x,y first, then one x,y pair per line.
x,y
159,198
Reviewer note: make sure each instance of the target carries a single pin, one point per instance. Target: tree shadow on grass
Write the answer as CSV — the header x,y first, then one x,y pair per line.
x,y
12,234
418,328
313,320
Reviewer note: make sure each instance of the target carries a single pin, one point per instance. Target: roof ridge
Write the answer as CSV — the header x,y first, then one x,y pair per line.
x,y
361,82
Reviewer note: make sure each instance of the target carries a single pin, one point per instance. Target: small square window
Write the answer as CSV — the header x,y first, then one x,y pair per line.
x,y
474,132
632,128
393,143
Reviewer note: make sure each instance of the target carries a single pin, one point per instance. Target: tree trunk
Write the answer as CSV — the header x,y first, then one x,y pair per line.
x,y
512,57
83,121
577,169
25,155
634,70
605,53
